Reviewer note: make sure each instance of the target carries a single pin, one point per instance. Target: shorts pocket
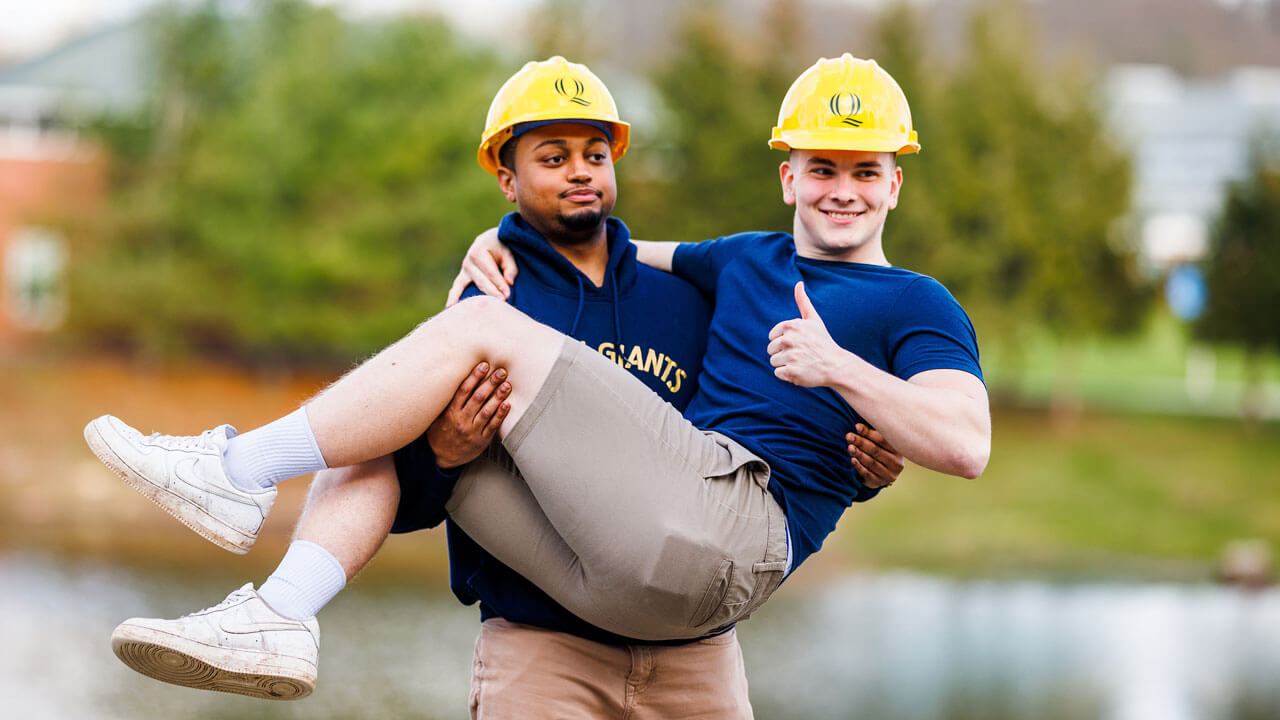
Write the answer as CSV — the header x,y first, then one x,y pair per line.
x,y
714,595
768,576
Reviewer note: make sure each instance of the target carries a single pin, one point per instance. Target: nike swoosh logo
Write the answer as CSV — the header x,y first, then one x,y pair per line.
x,y
184,470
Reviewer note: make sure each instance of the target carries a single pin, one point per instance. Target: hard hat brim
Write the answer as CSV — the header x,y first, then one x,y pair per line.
x,y
835,139
492,142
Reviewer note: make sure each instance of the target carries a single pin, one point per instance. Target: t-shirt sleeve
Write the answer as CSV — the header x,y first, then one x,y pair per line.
x,y
700,263
930,331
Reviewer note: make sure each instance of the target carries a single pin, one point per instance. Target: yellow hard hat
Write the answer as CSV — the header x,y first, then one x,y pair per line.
x,y
554,89
845,104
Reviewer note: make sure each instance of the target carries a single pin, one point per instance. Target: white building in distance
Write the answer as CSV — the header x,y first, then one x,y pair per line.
x,y
1189,139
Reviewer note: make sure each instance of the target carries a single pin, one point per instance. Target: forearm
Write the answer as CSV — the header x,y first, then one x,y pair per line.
x,y
656,254
938,420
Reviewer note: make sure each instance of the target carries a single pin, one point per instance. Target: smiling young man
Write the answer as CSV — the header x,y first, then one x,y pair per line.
x,y
652,525
842,199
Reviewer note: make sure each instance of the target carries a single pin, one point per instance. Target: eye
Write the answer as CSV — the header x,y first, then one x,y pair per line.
x,y
821,171
553,159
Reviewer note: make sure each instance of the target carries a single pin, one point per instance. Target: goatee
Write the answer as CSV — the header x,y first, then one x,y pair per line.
x,y
581,221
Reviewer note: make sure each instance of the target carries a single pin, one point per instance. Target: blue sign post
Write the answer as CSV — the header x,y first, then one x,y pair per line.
x,y
1186,292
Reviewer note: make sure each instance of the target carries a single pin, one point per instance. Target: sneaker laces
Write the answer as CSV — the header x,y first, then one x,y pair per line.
x,y
203,441
235,597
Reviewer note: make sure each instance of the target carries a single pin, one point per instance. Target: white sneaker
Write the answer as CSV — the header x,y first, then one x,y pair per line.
x,y
239,645
185,477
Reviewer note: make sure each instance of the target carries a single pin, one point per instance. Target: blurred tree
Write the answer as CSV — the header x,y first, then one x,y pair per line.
x,y
563,27
1015,201
1243,268
302,192
712,172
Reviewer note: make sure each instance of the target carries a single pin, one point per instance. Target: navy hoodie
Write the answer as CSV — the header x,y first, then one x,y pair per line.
x,y
649,322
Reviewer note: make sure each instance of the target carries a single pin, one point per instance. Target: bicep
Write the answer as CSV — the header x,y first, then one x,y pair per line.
x,y
959,381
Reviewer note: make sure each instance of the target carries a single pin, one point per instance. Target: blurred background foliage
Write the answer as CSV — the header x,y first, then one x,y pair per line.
x,y
301,186
299,190
1243,269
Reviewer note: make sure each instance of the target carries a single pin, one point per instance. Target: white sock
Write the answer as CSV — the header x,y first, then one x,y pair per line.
x,y
279,450
306,580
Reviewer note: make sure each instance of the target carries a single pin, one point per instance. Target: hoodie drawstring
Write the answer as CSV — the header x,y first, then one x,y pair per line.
x,y
582,296
617,316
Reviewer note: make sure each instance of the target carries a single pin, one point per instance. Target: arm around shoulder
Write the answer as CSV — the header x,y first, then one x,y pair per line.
x,y
658,255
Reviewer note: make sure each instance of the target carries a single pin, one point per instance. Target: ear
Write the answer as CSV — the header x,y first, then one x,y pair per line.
x,y
787,177
895,187
507,183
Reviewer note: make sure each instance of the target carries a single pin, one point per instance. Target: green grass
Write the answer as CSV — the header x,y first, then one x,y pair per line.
x,y
1104,496
1144,372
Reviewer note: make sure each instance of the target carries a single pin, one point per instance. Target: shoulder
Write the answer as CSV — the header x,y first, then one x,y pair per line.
x,y
741,246
755,240
922,292
926,303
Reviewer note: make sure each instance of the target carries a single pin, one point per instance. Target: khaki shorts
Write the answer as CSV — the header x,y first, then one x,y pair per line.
x,y
524,672
624,512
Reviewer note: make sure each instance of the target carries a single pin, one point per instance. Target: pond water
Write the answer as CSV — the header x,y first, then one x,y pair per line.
x,y
908,647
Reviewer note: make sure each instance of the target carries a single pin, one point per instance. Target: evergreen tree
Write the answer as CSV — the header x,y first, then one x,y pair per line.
x,y
1243,268
306,189
711,170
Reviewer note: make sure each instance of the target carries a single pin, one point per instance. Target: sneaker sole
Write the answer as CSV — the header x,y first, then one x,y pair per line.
x,y
179,661
193,516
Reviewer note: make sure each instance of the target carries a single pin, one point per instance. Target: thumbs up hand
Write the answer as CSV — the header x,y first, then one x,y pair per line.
x,y
801,350
807,312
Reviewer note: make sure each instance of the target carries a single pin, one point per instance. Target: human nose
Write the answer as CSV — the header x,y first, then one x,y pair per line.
x,y
579,170
843,189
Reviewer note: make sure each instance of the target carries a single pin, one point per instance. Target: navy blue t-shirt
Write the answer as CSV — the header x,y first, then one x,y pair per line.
x,y
899,321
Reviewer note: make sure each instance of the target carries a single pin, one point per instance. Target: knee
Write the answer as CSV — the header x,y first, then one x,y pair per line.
x,y
481,309
480,321
328,481
375,478
465,320
478,312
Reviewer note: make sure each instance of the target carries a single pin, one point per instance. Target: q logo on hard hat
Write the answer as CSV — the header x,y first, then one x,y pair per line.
x,y
564,85
844,106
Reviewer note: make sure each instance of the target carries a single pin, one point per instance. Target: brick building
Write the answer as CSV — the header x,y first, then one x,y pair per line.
x,y
51,178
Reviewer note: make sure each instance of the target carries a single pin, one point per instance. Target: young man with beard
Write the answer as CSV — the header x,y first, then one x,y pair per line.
x,y
552,154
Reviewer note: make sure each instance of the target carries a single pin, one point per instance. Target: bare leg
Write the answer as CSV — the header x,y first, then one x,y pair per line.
x,y
389,400
347,516
349,512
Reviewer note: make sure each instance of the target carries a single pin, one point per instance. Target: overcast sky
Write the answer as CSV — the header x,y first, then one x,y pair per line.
x,y
30,26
